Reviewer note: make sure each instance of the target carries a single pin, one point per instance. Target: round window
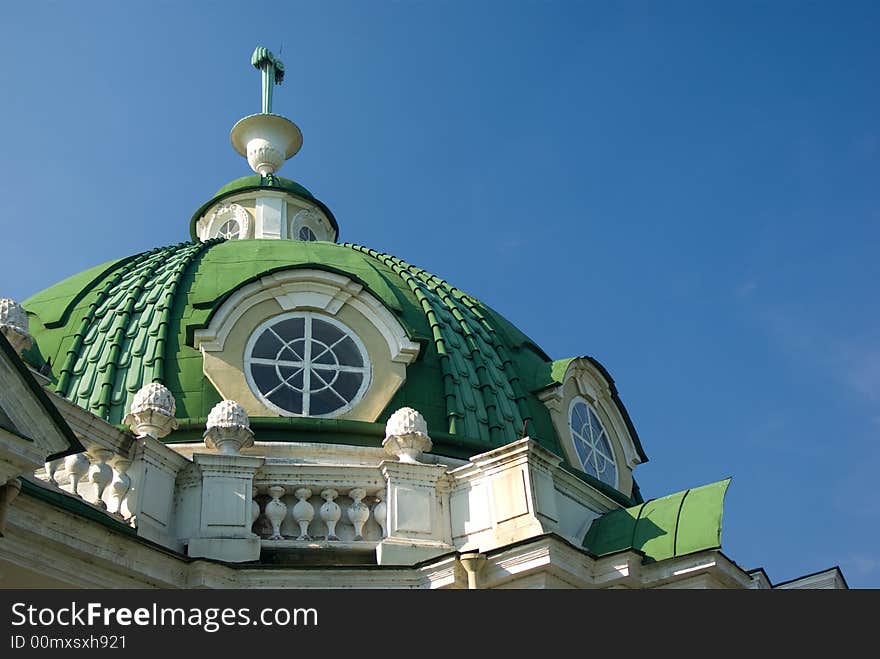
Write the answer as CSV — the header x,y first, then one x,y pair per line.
x,y
304,364
591,442
229,230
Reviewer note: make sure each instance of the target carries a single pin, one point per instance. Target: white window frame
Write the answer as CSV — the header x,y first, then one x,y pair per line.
x,y
308,316
613,458
225,212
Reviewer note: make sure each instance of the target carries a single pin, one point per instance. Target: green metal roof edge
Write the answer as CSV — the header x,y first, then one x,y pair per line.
x,y
61,499
693,519
557,371
229,190
64,316
45,403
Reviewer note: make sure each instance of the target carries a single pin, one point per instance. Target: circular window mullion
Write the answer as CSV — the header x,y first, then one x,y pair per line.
x,y
307,366
329,387
587,430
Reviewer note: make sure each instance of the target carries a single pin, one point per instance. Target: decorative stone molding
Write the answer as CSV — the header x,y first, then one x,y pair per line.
x,y
223,342
312,219
255,506
101,474
276,511
583,379
266,140
120,487
222,214
14,324
52,468
303,512
305,288
380,512
473,563
228,428
152,412
330,512
358,513
263,157
406,435
77,466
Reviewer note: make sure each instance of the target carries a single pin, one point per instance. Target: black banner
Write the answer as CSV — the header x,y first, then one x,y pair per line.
x,y
407,622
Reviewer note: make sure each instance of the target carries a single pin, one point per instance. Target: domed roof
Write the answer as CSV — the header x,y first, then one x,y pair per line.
x,y
254,181
112,329
257,182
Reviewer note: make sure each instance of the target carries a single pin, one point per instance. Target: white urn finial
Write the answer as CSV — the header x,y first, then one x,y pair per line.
x,y
228,428
14,324
152,411
406,435
266,140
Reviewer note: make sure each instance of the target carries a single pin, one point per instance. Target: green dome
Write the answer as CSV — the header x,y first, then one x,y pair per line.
x,y
257,182
112,329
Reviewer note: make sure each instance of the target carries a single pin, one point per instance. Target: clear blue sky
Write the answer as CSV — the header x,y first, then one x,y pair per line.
x,y
686,191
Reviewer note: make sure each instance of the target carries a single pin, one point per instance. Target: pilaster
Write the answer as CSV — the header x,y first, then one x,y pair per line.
x,y
418,519
225,508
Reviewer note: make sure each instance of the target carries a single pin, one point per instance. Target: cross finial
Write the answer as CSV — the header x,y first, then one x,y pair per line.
x,y
272,74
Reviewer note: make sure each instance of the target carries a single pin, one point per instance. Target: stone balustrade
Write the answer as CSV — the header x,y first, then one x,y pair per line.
x,y
98,476
314,511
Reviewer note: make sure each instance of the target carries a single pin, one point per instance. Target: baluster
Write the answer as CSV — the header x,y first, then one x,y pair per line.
x,y
330,512
255,507
303,512
52,468
380,511
120,486
101,474
358,513
77,466
276,511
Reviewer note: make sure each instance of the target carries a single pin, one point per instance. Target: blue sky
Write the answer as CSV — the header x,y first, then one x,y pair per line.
x,y
686,191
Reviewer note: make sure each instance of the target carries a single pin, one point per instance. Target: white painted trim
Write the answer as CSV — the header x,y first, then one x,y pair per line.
x,y
580,399
312,219
222,214
308,289
595,389
308,317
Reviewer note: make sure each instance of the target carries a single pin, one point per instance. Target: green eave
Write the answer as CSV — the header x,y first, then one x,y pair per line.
x,y
257,182
674,525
